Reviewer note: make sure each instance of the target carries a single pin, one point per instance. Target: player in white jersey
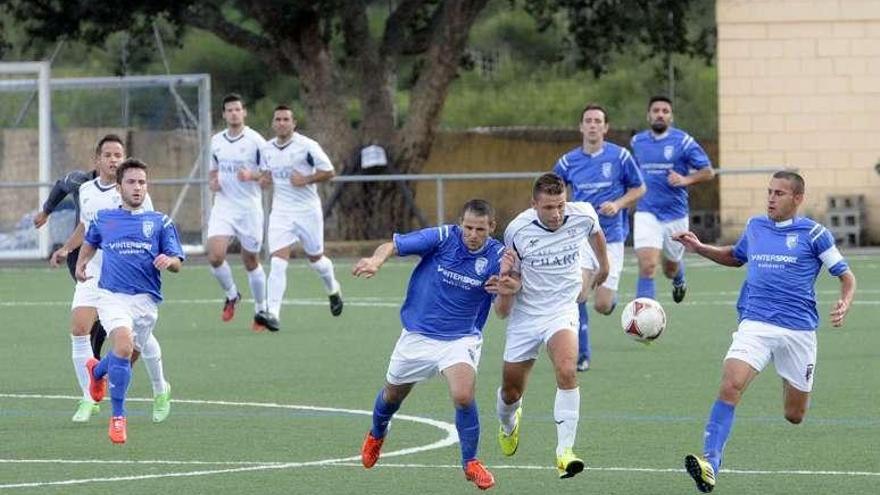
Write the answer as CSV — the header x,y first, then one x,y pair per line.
x,y
783,253
293,164
547,239
238,208
95,195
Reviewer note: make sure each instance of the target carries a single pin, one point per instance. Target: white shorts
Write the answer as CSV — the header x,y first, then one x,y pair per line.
x,y
246,225
307,227
86,294
648,232
793,352
615,262
137,312
526,333
417,357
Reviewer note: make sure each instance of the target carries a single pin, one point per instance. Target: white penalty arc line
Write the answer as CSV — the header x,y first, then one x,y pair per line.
x,y
450,439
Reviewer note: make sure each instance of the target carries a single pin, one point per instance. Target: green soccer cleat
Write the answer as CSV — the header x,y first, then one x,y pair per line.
x,y
701,471
509,443
162,405
568,464
84,410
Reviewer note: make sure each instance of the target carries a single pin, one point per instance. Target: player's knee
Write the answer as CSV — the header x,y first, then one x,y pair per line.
x,y
647,268
316,258
462,398
670,271
731,391
604,307
216,259
511,393
795,414
123,349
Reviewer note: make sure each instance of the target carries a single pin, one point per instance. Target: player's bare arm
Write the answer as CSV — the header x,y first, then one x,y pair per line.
x,y
165,262
86,253
723,255
214,180
368,267
629,199
847,292
597,242
248,175
677,180
40,219
299,180
74,241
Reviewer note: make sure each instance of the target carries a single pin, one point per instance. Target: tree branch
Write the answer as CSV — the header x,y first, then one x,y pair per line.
x,y
209,18
395,40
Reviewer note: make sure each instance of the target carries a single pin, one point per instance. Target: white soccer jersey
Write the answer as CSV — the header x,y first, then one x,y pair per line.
x,y
302,155
550,260
93,197
228,156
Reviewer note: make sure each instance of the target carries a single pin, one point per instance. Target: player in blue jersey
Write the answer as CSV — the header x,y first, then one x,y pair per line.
x,y
136,245
777,305
667,156
606,176
447,303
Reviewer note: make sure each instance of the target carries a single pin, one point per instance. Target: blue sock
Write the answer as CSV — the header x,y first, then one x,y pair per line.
x,y
717,430
679,275
467,422
584,332
645,288
382,412
103,366
119,375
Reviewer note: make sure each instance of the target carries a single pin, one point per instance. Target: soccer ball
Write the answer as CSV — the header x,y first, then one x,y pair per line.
x,y
643,319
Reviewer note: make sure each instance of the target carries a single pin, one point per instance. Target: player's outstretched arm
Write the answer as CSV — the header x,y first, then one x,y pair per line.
x,y
367,267
723,255
847,292
86,253
299,180
74,241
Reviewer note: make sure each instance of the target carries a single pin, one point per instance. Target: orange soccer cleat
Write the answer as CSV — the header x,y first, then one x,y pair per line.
x,y
229,308
476,472
117,429
97,388
371,449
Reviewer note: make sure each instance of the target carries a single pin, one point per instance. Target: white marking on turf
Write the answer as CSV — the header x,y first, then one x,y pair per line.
x,y
450,439
630,469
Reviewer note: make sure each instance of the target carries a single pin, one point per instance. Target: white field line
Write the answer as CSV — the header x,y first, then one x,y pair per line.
x,y
451,438
628,469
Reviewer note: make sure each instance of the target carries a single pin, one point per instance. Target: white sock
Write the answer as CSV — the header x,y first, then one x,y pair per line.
x,y
324,268
257,281
566,412
151,355
81,351
223,274
276,285
506,412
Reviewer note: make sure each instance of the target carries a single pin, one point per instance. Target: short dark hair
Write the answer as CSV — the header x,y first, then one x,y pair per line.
x,y
283,107
595,106
656,98
232,97
795,179
127,165
550,184
109,138
480,208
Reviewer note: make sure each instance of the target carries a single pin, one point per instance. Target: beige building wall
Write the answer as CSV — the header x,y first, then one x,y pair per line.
x,y
799,85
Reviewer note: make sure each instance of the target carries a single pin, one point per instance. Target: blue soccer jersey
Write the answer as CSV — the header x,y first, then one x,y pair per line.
x,y
784,259
676,151
131,240
600,177
446,298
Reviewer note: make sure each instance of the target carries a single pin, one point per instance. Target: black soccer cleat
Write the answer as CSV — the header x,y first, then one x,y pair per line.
x,y
336,303
267,320
678,292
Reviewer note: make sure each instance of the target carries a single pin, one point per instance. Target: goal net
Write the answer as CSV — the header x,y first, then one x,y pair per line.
x,y
164,120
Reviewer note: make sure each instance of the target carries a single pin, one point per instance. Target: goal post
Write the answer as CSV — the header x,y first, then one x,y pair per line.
x,y
165,120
